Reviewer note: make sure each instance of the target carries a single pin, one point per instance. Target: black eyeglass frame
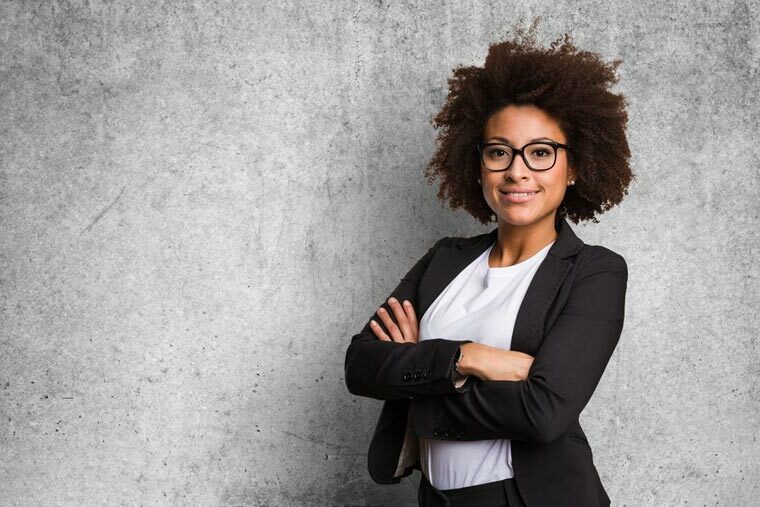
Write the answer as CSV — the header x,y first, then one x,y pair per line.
x,y
520,151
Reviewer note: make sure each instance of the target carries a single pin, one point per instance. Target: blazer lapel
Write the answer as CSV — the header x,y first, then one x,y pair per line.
x,y
447,263
528,331
451,260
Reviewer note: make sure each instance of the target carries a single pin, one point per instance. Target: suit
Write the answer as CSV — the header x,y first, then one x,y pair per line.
x,y
570,320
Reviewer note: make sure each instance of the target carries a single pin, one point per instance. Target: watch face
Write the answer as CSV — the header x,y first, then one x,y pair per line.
x,y
457,356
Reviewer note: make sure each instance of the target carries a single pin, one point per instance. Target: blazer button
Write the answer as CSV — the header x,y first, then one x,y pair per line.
x,y
436,433
447,434
417,375
426,374
407,376
459,435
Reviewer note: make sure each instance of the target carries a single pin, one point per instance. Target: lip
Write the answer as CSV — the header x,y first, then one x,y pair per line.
x,y
518,198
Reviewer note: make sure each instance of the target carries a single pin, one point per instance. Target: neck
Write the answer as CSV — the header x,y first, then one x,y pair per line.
x,y
515,243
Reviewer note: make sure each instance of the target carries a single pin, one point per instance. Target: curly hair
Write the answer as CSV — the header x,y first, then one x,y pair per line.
x,y
572,87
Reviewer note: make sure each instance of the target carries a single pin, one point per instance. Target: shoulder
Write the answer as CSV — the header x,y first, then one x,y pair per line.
x,y
594,258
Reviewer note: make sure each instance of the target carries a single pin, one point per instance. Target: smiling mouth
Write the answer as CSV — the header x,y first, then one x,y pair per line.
x,y
516,198
519,194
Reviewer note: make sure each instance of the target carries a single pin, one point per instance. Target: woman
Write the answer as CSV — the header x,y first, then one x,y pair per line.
x,y
483,393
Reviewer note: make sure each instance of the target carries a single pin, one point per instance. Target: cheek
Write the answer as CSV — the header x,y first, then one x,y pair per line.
x,y
554,188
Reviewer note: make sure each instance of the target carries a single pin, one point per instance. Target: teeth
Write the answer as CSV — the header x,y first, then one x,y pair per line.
x,y
521,194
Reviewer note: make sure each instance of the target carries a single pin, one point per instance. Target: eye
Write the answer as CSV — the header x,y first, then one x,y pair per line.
x,y
496,152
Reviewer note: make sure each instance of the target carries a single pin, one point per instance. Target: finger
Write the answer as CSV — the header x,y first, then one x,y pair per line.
x,y
411,315
379,331
402,320
390,325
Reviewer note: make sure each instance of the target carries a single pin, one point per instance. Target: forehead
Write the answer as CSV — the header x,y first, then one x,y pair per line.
x,y
521,123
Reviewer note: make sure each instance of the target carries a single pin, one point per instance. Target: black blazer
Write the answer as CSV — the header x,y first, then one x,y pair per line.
x,y
570,320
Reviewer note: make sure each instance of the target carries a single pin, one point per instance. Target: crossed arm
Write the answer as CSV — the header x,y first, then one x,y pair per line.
x,y
480,360
540,408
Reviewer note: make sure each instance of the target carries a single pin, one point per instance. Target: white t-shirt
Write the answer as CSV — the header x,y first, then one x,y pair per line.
x,y
480,304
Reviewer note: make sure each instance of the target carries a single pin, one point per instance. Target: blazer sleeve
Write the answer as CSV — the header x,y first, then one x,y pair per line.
x,y
561,380
387,370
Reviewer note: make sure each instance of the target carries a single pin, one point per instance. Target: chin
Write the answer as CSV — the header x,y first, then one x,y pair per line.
x,y
520,223
524,217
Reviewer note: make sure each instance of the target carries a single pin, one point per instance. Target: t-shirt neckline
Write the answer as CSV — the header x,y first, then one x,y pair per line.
x,y
508,270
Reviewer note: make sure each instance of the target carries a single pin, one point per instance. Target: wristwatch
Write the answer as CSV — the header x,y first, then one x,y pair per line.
x,y
457,375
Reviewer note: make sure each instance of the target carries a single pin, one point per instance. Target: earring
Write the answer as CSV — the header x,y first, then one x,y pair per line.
x,y
572,182
478,180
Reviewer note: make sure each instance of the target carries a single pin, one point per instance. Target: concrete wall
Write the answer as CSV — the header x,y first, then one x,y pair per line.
x,y
201,202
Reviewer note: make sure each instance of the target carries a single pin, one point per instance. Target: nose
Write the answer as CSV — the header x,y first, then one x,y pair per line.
x,y
517,169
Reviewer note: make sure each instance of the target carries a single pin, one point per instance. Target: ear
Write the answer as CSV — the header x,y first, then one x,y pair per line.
x,y
572,173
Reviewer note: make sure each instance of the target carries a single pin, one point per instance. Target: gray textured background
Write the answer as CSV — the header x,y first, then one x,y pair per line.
x,y
201,203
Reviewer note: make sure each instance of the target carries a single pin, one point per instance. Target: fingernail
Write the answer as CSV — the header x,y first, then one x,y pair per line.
x,y
392,300
407,303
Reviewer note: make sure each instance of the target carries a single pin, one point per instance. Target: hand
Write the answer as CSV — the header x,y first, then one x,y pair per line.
x,y
407,329
493,363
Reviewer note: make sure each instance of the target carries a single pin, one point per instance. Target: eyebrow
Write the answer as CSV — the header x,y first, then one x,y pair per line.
x,y
505,140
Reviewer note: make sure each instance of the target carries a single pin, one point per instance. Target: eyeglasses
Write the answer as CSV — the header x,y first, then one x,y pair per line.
x,y
538,156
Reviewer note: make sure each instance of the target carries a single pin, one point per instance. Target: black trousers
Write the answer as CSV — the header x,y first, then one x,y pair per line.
x,y
492,494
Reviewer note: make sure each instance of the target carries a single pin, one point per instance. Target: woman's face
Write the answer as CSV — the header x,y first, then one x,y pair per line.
x,y
518,125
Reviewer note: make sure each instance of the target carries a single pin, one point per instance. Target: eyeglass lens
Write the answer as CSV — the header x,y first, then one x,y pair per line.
x,y
498,157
